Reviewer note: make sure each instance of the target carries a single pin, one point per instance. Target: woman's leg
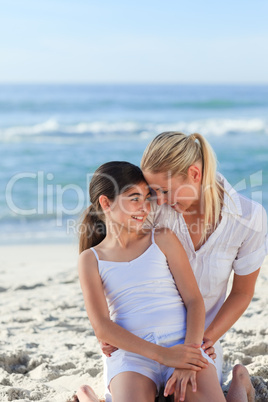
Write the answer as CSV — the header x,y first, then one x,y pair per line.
x,y
241,388
86,394
208,387
131,386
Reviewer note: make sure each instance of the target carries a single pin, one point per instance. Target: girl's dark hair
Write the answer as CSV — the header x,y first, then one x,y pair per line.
x,y
110,179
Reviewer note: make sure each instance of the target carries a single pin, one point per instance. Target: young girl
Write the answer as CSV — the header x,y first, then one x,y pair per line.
x,y
141,295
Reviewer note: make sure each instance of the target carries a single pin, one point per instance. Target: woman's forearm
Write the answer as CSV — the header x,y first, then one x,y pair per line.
x,y
234,306
232,309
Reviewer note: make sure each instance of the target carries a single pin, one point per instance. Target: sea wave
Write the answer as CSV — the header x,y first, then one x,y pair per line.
x,y
52,130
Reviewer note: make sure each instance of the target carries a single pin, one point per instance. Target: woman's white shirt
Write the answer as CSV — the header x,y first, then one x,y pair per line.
x,y
238,244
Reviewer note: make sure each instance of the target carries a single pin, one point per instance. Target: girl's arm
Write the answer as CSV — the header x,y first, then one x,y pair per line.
x,y
186,283
234,306
178,356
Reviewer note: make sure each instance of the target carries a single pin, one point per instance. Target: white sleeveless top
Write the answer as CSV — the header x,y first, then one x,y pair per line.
x,y
141,294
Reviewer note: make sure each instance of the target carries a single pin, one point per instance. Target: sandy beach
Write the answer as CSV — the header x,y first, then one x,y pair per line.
x,y
48,348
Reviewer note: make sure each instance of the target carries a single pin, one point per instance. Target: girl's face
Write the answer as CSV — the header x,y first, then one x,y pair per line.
x,y
130,209
182,193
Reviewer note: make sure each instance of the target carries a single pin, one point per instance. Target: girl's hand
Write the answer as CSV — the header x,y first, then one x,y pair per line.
x,y
184,357
208,348
106,348
178,382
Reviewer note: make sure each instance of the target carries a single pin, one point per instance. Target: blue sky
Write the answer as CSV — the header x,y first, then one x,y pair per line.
x,y
133,42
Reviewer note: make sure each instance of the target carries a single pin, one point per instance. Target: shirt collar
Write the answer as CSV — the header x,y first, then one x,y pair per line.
x,y
231,203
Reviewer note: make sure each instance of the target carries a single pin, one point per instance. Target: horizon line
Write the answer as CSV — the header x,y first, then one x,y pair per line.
x,y
126,83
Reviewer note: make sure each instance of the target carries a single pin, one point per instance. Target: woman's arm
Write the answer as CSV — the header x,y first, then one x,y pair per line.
x,y
186,283
234,306
178,356
250,255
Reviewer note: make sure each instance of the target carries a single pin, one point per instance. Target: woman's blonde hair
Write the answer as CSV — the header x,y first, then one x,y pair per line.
x,y
173,153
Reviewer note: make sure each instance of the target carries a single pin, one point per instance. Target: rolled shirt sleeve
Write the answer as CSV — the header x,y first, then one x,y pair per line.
x,y
254,247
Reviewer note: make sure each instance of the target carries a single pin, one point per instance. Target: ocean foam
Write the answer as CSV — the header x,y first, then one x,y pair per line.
x,y
51,129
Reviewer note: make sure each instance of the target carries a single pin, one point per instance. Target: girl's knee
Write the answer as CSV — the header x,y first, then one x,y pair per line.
x,y
208,387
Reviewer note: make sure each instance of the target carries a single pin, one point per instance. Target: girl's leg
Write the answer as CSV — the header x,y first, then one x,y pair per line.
x,y
241,388
134,387
208,387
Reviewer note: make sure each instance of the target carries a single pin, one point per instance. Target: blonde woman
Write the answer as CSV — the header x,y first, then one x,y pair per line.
x,y
221,230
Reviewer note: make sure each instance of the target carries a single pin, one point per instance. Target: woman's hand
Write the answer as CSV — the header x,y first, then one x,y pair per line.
x,y
106,348
208,348
184,357
178,382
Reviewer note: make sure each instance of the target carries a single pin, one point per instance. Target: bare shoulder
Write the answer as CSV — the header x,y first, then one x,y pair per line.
x,y
165,237
87,261
164,233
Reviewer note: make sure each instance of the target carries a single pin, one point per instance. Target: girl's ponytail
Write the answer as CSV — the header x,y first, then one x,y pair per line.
x,y
92,228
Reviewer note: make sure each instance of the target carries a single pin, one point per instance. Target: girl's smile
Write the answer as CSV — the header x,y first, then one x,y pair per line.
x,y
131,208
138,218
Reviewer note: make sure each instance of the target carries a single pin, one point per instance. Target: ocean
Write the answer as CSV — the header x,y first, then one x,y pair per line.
x,y
52,137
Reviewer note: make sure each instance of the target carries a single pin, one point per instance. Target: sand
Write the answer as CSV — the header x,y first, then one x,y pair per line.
x,y
48,348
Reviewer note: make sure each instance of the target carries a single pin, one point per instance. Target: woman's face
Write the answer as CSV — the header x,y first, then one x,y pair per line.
x,y
181,192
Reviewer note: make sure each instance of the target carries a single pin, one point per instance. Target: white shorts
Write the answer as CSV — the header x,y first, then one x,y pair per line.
x,y
122,361
219,360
